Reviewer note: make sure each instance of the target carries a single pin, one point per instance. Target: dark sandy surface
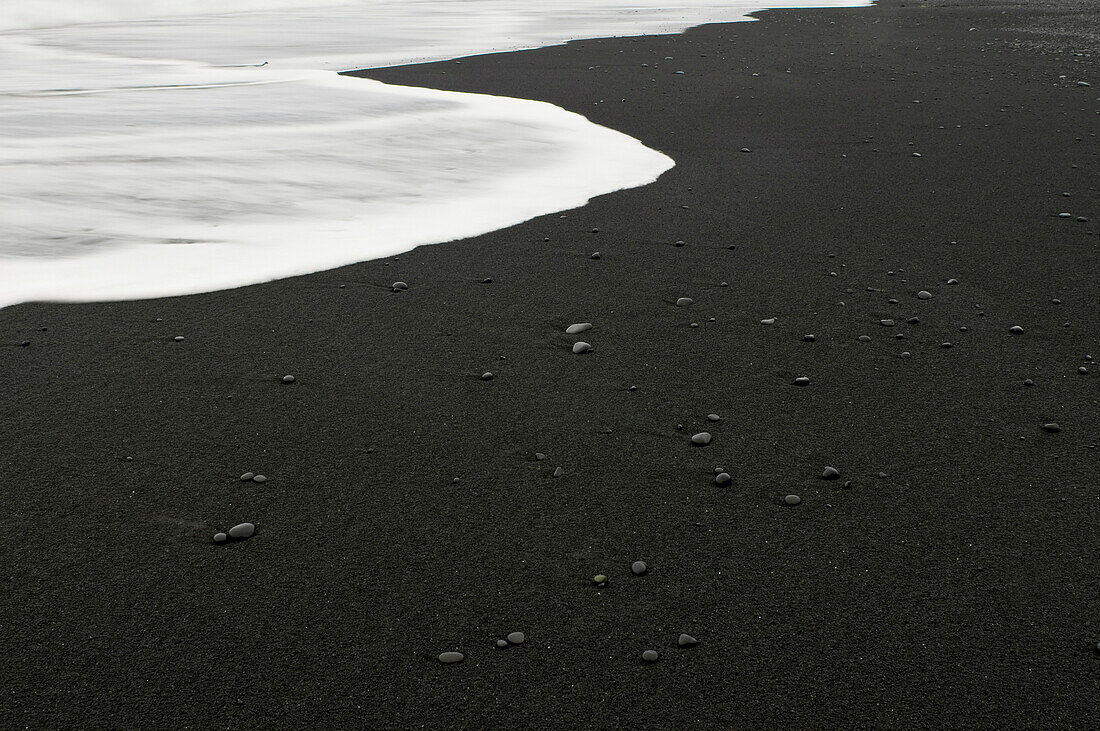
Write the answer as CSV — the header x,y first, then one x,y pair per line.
x,y
959,590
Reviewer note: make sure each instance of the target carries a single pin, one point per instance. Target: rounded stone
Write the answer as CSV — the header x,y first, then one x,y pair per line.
x,y
178,338
913,320
502,643
247,476
259,478
864,338
808,338
684,301
906,354
599,579
830,473
1052,427
451,657
1016,330
945,345
1029,382
288,379
516,638
595,255
924,294
581,347
638,568
702,439
399,286
242,530
578,328
686,641
802,381
792,500
558,472
722,478
886,323
220,538
713,417
768,321
651,655
486,376
540,456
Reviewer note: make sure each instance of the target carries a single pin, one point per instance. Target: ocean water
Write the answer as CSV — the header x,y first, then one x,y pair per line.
x,y
164,147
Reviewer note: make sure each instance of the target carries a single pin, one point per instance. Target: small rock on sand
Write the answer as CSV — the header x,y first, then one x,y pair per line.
x,y
830,473
581,347
220,538
399,286
638,568
486,376
702,439
924,294
516,638
768,321
1016,330
802,381
288,379
259,478
247,476
242,530
578,328
686,641
650,656
558,472
792,500
684,301
451,657
1052,427
722,478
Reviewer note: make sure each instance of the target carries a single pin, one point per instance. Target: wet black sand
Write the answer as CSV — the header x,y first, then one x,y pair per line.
x,y
959,590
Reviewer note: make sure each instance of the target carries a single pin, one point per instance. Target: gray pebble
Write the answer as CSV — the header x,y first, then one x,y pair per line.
x,y
952,281
1016,330
924,294
242,530
1029,382
945,345
713,417
639,568
558,472
288,379
1065,215
650,656
581,347
516,638
702,438
450,657
913,320
1052,427
679,244
540,456
1082,370
399,286
247,476
178,338
259,478
486,376
906,354
886,323
830,473
686,641
595,255
578,328
808,338
487,280
684,301
502,643
220,538
864,338
722,478
882,475
768,321
792,500
802,381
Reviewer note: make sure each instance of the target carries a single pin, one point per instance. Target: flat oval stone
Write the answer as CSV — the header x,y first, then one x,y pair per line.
x,y
242,530
924,294
599,579
713,417
1016,330
247,476
768,321
578,328
178,338
1052,427
540,456
906,354
288,379
886,323
639,568
808,338
722,478
684,301
259,478
792,500
502,643
686,641
486,376
595,255
558,472
802,381
399,286
516,638
864,338
581,347
913,320
220,538
450,657
702,438
650,656
830,473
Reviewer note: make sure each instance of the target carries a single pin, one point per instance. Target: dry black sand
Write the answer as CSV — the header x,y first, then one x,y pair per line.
x,y
958,590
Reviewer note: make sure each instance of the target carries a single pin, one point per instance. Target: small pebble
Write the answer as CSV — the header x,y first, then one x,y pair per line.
x,y
808,338
802,381
792,500
952,281
924,294
220,538
540,456
1029,382
684,301
713,417
945,345
702,438
399,286
578,328
722,478
906,354
486,376
487,280
558,472
886,323
259,478
1016,329
882,475
1052,427
913,321
247,476
25,344
830,473
288,379
516,638
864,338
1082,370
450,657
650,656
242,530
768,321
639,568
599,579
581,347
745,149
502,643
678,243
178,338
686,641
595,255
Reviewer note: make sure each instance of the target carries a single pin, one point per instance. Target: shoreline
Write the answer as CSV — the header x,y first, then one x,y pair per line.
x,y
957,589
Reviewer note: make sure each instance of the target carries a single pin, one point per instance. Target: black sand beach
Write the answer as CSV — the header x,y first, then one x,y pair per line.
x,y
946,578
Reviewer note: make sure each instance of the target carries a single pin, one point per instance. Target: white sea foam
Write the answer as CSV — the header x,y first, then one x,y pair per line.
x,y
151,157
